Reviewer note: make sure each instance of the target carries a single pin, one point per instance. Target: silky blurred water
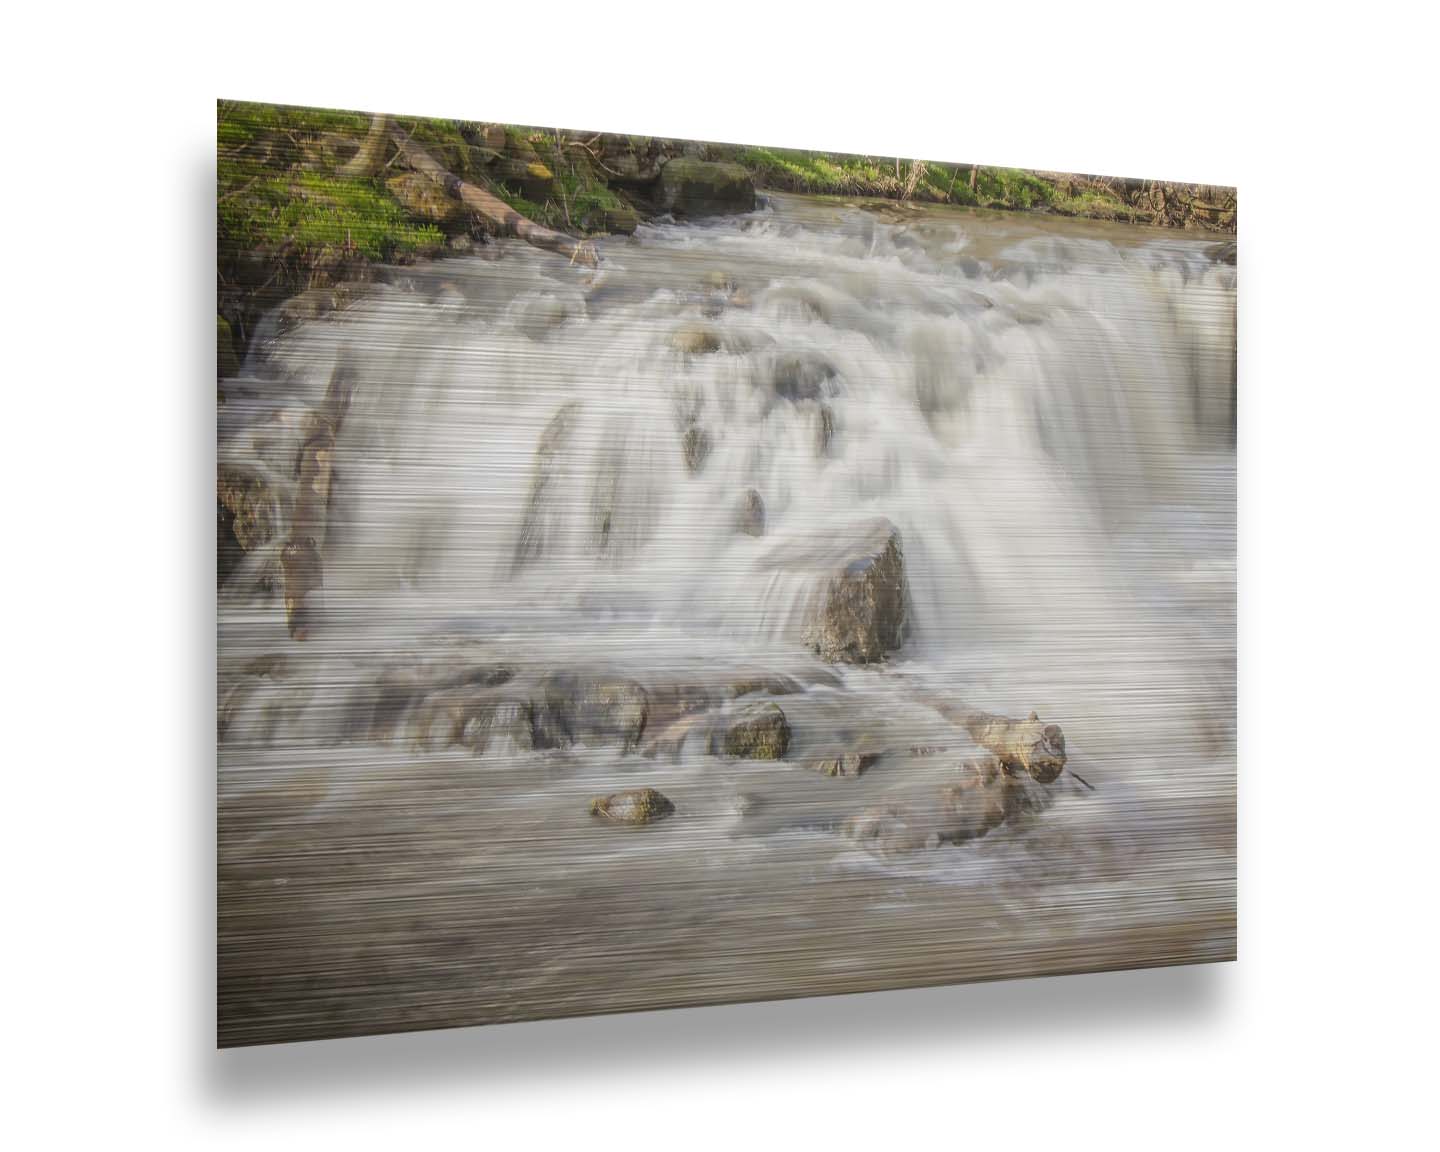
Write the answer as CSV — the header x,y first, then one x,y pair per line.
x,y
553,470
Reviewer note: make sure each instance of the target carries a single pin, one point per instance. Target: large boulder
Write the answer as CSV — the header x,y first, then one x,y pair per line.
x,y
690,187
858,612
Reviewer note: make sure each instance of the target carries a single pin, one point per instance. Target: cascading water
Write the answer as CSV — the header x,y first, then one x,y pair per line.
x,y
544,471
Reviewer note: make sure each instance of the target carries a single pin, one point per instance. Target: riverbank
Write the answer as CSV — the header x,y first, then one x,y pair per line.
x,y
295,221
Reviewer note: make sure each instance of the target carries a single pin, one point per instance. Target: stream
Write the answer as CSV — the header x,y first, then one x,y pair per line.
x,y
634,485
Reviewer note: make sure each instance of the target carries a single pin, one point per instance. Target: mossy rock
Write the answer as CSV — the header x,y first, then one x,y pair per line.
x,y
633,806
227,364
690,187
760,732
251,506
424,200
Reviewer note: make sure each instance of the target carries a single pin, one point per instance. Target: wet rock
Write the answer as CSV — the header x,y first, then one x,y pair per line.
x,y
772,685
571,709
425,200
541,520
860,612
798,377
750,516
634,806
1028,745
695,446
318,303
981,798
302,572
250,503
847,764
696,341
226,362
620,219
824,431
690,187
760,732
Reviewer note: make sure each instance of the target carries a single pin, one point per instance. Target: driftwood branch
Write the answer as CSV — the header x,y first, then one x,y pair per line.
x,y
367,161
492,208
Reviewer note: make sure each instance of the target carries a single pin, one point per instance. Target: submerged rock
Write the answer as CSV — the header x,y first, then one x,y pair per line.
x,y
634,806
845,764
693,187
981,798
695,446
860,613
571,709
696,341
750,516
798,377
760,732
824,431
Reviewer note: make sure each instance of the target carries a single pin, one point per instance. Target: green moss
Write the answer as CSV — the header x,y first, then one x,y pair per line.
x,y
307,214
1014,188
278,194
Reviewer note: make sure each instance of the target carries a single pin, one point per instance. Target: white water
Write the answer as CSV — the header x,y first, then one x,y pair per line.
x,y
1043,409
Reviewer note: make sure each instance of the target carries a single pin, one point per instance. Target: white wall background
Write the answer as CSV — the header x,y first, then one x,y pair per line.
x,y
1322,1033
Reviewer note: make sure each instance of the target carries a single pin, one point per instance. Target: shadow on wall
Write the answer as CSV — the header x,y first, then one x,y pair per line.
x,y
634,1046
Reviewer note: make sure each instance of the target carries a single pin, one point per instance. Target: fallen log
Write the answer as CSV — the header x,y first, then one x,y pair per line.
x,y
302,569
492,208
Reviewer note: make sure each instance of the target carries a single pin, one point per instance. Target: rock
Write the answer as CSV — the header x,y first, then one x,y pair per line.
x,y
226,362
695,445
760,732
860,612
492,136
690,187
846,764
250,504
531,174
621,219
824,431
634,806
979,800
1020,745
424,200
570,708
798,377
461,244
750,516
696,341
541,520
318,303
302,572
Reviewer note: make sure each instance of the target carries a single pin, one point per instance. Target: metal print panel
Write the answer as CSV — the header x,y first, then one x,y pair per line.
x,y
653,573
